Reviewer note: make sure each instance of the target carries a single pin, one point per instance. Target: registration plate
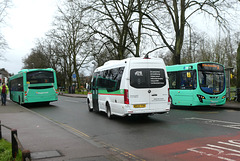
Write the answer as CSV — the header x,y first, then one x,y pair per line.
x,y
139,106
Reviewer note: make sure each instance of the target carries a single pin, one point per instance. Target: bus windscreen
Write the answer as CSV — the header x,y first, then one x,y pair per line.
x,y
40,77
211,78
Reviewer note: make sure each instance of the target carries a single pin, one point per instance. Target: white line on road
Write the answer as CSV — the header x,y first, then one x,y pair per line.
x,y
233,125
229,144
220,147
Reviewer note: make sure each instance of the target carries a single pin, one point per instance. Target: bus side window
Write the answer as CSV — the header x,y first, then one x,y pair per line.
x,y
172,80
110,80
188,80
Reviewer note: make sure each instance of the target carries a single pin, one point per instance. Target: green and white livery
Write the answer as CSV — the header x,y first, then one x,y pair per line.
x,y
129,87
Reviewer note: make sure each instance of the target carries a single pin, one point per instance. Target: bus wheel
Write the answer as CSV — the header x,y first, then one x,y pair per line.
x,y
109,114
19,100
89,107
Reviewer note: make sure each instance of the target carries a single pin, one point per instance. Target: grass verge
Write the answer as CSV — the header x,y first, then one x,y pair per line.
x,y
6,151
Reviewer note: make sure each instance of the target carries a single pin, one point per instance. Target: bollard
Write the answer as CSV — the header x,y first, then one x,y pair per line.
x,y
14,143
26,155
0,130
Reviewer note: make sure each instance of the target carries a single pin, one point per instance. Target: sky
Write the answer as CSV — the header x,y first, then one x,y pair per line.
x,y
27,21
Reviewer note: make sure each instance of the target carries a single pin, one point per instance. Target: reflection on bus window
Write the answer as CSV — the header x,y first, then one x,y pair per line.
x,y
147,78
109,80
182,80
40,77
211,82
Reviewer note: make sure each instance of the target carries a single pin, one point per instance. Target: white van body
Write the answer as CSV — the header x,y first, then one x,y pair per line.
x,y
130,86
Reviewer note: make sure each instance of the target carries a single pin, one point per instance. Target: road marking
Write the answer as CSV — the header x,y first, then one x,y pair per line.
x,y
75,130
220,152
100,143
196,150
220,147
228,144
91,140
233,125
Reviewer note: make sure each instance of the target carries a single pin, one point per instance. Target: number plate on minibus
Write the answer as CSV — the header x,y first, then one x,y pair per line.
x,y
139,106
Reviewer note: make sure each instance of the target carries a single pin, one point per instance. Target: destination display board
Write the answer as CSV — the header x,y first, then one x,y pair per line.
x,y
210,67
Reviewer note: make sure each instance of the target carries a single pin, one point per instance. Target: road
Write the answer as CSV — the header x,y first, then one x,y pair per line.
x,y
182,134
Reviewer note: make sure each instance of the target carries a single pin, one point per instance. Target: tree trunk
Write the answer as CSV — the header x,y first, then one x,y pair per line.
x,y
238,66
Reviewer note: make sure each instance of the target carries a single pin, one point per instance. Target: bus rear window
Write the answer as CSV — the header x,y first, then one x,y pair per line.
x,y
147,78
40,77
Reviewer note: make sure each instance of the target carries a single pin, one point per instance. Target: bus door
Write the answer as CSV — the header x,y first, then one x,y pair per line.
x,y
184,93
95,94
145,88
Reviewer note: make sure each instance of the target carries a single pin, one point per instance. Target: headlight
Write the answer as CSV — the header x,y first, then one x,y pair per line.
x,y
200,97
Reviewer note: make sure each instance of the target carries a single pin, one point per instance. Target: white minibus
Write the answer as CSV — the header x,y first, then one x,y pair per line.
x,y
129,87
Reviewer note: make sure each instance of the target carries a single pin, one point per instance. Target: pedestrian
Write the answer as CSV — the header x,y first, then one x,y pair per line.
x,y
4,91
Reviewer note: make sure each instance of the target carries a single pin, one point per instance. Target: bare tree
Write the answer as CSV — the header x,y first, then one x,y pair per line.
x,y
238,66
36,59
69,34
119,26
169,17
4,5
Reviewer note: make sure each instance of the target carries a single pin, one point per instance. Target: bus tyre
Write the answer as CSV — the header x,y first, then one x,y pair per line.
x,y
109,114
89,107
19,100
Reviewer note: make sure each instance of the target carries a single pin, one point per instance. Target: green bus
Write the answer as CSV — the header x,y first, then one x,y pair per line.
x,y
197,84
34,85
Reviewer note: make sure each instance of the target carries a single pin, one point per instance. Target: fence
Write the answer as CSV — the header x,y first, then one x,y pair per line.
x,y
16,144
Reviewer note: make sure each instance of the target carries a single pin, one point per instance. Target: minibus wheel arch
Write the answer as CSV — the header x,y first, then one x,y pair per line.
x,y
89,106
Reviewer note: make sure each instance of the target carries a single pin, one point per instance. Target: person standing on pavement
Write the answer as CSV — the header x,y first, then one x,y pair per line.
x,y
4,91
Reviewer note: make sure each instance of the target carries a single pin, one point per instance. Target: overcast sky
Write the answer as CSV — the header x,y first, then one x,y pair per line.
x,y
27,21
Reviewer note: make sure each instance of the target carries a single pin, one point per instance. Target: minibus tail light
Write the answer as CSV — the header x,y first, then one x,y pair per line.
x,y
169,99
126,99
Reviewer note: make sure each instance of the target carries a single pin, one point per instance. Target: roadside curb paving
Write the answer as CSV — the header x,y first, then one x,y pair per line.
x,y
228,105
47,139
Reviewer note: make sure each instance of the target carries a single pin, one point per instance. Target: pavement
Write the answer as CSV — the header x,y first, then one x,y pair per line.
x,y
49,140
